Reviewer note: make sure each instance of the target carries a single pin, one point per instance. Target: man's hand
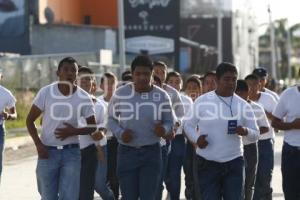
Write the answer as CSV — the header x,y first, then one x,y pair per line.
x,y
202,142
296,124
127,136
98,135
170,136
241,131
159,130
42,151
4,115
67,131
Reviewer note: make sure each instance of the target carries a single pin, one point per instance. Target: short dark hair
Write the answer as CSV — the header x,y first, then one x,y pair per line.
x,y
84,69
157,79
125,74
225,67
252,77
142,61
241,86
173,74
108,75
209,73
193,79
160,64
69,60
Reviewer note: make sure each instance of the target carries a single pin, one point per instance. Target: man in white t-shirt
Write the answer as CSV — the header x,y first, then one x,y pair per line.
x,y
178,144
7,112
250,147
88,143
160,70
263,76
107,184
265,166
62,104
223,119
286,117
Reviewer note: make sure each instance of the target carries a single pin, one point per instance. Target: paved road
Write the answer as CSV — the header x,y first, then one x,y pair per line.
x,y
19,182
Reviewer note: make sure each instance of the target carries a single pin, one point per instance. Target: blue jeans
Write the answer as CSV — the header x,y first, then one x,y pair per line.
x,y
58,177
263,189
101,186
112,151
251,160
188,167
87,172
290,168
2,136
175,163
221,180
163,171
138,170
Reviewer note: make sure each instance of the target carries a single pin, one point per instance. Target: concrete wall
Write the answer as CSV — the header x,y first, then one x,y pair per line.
x,y
48,39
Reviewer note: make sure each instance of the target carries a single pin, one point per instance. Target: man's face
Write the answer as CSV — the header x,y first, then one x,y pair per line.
x,y
161,72
243,94
175,82
68,72
141,77
193,90
254,86
263,82
209,83
109,85
85,81
227,82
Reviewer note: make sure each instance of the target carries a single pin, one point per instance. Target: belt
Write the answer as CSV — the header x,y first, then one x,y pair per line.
x,y
139,147
61,147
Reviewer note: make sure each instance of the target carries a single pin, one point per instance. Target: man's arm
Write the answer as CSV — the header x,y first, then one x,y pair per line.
x,y
33,114
281,125
69,130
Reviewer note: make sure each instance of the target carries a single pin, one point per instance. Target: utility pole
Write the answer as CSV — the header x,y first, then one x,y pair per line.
x,y
289,54
272,44
122,55
220,32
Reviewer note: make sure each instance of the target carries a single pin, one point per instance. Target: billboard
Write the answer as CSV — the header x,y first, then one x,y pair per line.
x,y
152,26
14,28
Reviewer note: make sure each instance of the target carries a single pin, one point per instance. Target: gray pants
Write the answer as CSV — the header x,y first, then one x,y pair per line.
x,y
251,160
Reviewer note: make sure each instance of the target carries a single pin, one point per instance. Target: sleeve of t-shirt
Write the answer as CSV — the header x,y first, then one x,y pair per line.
x,y
191,121
100,115
88,109
40,99
280,110
271,104
11,101
113,117
168,115
251,124
261,117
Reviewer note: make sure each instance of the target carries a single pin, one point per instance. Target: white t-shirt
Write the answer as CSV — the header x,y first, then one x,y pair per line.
x,y
212,115
58,109
288,109
109,134
261,119
273,94
7,101
268,103
86,140
187,104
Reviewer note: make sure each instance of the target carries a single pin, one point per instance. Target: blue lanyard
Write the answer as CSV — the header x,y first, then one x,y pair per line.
x,y
228,105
